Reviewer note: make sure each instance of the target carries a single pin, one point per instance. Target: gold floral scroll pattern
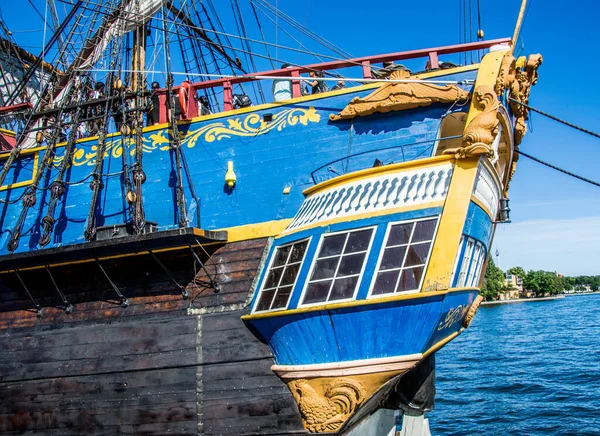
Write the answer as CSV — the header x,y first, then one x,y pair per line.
x,y
249,126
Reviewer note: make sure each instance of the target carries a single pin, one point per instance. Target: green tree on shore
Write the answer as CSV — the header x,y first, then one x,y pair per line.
x,y
516,271
542,282
493,281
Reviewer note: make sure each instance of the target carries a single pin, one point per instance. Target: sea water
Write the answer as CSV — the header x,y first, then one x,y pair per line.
x,y
528,368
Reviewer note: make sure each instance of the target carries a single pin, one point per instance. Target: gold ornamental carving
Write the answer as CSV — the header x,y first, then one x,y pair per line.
x,y
324,407
472,311
525,77
479,135
401,96
506,75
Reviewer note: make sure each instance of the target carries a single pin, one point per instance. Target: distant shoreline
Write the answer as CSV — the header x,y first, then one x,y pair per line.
x,y
583,293
521,300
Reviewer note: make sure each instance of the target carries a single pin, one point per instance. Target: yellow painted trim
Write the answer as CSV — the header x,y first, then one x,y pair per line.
x,y
487,75
25,182
359,216
8,132
427,75
376,171
234,234
369,302
478,202
441,343
445,247
255,231
452,221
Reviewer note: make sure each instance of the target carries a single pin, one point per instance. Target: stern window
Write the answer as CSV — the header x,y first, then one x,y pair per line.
x,y
403,261
282,275
337,269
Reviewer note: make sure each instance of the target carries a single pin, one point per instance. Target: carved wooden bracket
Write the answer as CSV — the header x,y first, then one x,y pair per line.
x,y
482,130
525,77
401,96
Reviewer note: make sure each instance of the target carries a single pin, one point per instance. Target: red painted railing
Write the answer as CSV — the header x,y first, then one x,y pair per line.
x,y
364,62
295,71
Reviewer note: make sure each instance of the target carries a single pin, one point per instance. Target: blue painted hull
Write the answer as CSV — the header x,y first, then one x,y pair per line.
x,y
267,158
372,331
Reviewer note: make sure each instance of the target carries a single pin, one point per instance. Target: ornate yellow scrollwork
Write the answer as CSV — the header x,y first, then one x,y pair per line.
x,y
480,132
326,406
249,126
401,96
472,311
525,77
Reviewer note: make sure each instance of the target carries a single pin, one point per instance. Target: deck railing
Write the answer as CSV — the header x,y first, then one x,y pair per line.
x,y
365,63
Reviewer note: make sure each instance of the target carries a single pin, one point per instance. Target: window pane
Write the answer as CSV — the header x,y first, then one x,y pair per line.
x,y
281,255
343,288
351,264
385,282
281,299
332,245
392,258
289,276
410,279
417,254
358,241
316,292
265,300
424,230
298,252
399,234
273,278
325,268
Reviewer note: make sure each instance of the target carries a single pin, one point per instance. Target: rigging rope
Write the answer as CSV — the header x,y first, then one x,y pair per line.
x,y
554,167
552,117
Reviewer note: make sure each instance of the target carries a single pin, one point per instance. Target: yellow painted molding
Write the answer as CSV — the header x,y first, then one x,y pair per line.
x,y
452,221
235,234
441,343
7,132
486,76
478,202
360,216
369,302
377,171
350,90
255,231
25,182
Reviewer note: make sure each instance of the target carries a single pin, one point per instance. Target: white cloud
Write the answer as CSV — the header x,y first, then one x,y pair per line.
x,y
568,246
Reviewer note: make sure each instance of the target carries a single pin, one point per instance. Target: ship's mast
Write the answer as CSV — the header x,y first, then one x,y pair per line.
x,y
519,23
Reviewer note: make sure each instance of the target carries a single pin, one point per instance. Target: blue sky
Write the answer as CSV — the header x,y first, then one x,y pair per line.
x,y
556,219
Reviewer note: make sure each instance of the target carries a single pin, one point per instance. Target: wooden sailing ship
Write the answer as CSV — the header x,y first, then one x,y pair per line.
x,y
259,270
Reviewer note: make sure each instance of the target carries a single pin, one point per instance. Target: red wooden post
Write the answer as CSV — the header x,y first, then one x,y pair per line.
x,y
227,96
366,67
296,92
433,60
162,112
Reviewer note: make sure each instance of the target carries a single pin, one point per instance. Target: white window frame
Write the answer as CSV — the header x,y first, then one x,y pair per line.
x,y
466,262
475,276
471,262
268,269
458,257
314,261
382,250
